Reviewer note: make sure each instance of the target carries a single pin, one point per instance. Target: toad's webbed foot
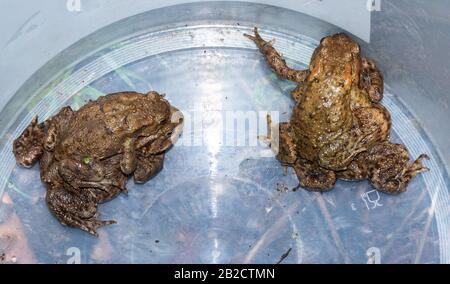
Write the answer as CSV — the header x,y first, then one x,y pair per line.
x,y
372,80
313,177
394,179
91,225
28,147
77,211
276,61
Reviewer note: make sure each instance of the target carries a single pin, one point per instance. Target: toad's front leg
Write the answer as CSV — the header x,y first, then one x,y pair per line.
x,y
276,61
148,167
372,80
92,177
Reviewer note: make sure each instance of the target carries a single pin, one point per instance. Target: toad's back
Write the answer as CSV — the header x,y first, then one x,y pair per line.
x,y
100,128
324,110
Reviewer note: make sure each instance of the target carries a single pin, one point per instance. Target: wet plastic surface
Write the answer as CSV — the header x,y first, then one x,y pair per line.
x,y
215,202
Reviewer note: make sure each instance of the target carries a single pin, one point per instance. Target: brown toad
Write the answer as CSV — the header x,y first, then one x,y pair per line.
x,y
338,128
87,155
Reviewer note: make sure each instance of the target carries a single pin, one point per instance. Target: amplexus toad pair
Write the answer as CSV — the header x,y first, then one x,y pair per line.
x,y
338,130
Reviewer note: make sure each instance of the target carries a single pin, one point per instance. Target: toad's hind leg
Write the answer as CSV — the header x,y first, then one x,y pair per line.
x,y
374,124
387,167
393,172
148,167
75,211
30,145
312,177
276,61
286,153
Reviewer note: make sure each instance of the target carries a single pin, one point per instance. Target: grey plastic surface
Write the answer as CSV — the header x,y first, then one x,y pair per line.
x,y
215,203
27,27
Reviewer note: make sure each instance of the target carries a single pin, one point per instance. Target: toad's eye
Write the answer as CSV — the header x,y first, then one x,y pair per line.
x,y
87,160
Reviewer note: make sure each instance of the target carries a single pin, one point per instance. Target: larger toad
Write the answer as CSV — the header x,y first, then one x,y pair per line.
x,y
338,127
87,155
